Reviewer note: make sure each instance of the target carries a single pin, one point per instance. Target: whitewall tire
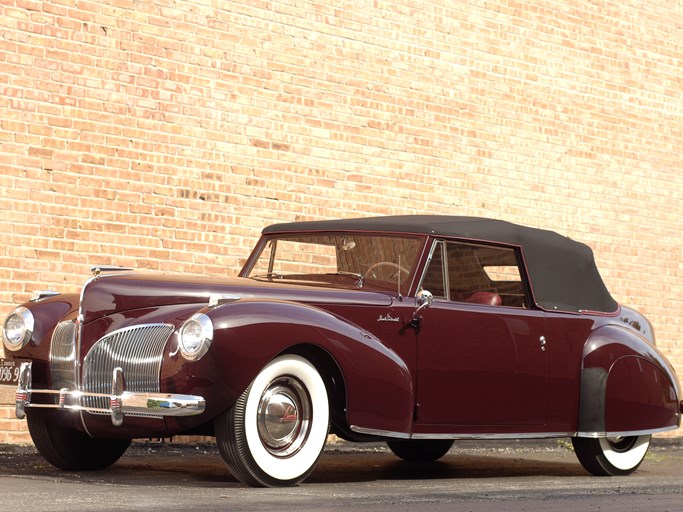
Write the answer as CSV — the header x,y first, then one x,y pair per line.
x,y
611,456
274,434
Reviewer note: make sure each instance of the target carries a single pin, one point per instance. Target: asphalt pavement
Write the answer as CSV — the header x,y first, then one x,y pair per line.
x,y
474,476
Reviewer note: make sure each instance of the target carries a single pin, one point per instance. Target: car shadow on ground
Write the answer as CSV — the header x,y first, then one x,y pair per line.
x,y
361,468
202,466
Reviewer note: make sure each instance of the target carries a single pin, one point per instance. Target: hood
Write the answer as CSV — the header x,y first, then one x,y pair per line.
x,y
112,293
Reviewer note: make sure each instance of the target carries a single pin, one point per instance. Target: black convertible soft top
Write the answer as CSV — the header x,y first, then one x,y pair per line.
x,y
562,271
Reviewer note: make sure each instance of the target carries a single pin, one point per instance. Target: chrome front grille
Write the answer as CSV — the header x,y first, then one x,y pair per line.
x,y
63,356
138,350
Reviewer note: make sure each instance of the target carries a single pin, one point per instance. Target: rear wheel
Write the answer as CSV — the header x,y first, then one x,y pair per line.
x,y
70,449
420,450
277,429
611,456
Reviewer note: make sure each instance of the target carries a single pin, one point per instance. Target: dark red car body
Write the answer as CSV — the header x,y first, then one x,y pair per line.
x,y
564,361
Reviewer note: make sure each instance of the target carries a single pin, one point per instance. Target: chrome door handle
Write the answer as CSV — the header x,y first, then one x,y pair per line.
x,y
543,342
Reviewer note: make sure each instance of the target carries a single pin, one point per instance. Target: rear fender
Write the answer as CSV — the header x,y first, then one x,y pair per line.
x,y
248,334
627,386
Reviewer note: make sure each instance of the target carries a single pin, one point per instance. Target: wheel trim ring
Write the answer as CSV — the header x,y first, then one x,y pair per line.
x,y
284,417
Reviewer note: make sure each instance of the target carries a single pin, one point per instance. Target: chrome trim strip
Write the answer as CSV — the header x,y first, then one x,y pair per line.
x,y
403,435
79,341
220,299
98,269
39,295
383,433
493,437
626,433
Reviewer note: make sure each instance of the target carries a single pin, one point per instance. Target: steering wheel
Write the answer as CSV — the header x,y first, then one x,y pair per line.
x,y
398,268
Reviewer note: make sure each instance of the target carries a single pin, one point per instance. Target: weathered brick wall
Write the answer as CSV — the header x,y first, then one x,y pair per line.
x,y
165,134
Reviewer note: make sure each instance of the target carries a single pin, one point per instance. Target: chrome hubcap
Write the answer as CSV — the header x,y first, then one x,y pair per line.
x,y
284,417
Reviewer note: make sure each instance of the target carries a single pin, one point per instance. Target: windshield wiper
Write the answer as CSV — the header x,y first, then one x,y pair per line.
x,y
269,275
359,277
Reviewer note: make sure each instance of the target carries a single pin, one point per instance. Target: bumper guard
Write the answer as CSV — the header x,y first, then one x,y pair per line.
x,y
121,402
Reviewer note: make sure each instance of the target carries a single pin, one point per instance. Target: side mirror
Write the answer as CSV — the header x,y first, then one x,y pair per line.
x,y
423,300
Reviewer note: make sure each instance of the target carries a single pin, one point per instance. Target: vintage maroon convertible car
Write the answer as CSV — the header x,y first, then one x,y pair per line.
x,y
416,330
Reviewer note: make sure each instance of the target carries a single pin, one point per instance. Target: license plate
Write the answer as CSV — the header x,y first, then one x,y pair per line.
x,y
9,372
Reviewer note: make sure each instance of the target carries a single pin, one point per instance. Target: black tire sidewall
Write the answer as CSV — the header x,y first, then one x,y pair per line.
x,y
69,449
420,450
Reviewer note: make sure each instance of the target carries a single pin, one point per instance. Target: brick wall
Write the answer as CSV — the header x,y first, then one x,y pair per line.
x,y
12,430
165,134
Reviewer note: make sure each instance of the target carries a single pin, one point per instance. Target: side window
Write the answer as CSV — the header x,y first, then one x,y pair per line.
x,y
484,274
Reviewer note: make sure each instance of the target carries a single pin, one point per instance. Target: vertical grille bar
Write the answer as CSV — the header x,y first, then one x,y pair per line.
x,y
63,356
137,350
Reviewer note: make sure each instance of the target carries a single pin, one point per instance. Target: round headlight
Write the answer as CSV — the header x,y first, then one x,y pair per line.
x,y
18,329
195,336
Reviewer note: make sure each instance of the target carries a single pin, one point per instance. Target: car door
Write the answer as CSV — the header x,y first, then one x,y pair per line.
x,y
482,362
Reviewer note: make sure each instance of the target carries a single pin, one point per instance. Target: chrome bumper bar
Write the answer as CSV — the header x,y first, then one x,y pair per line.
x,y
121,402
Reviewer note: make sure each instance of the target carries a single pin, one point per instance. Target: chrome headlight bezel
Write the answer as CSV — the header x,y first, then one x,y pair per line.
x,y
18,329
195,337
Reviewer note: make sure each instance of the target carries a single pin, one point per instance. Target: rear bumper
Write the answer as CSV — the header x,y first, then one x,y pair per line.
x,y
121,402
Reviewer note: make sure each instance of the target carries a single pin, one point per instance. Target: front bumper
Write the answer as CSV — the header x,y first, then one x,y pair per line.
x,y
121,402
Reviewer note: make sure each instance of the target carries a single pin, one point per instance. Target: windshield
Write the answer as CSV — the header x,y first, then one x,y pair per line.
x,y
343,259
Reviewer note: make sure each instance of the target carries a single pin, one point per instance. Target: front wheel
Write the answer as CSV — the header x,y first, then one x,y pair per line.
x,y
275,432
611,456
70,449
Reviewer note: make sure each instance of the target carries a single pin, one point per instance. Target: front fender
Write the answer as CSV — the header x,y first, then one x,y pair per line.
x,y
249,333
627,385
